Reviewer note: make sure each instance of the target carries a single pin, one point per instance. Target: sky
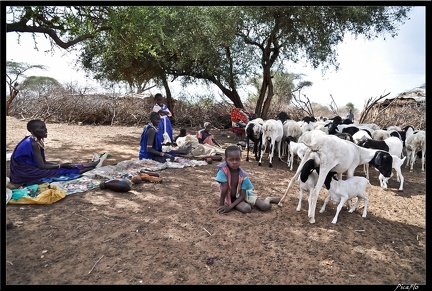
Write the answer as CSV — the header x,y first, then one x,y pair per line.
x,y
367,68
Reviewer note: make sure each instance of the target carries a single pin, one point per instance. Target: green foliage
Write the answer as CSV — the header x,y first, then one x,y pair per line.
x,y
19,68
349,106
65,25
136,44
39,85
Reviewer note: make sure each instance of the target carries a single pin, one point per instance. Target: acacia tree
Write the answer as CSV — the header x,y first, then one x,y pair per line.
x,y
312,32
192,42
165,43
66,26
15,71
40,85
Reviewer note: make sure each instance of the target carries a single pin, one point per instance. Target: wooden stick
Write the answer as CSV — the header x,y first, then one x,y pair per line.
x,y
95,264
207,231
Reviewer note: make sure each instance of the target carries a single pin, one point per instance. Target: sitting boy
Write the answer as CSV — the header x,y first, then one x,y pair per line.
x,y
235,186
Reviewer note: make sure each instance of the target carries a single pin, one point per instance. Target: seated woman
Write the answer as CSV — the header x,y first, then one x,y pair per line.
x,y
183,133
151,143
204,135
29,166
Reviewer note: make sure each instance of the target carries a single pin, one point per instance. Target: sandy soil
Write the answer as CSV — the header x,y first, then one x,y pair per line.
x,y
170,233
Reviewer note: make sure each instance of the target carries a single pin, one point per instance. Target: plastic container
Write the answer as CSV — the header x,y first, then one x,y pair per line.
x,y
117,185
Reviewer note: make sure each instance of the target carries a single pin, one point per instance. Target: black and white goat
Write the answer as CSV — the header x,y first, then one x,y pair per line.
x,y
392,144
307,180
396,164
331,153
254,134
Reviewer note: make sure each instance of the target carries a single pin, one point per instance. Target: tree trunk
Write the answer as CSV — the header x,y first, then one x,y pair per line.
x,y
269,98
170,102
231,94
263,104
12,96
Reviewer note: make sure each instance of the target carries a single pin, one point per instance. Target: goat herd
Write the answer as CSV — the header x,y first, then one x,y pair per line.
x,y
329,148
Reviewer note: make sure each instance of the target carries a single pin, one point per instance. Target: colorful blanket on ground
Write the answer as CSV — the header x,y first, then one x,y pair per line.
x,y
123,170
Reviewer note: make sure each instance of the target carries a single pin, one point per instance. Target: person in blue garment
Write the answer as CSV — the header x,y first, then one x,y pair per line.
x,y
28,164
151,143
164,125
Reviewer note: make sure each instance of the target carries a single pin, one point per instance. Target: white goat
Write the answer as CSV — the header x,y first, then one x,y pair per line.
x,y
307,180
293,129
306,137
8,191
397,163
394,127
295,148
306,124
321,126
331,153
380,134
413,144
341,191
272,132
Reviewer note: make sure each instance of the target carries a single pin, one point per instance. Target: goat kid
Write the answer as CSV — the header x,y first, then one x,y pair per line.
x,y
331,153
290,129
294,148
341,191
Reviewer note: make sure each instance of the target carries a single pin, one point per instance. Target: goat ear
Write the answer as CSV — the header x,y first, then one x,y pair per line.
x,y
378,158
307,168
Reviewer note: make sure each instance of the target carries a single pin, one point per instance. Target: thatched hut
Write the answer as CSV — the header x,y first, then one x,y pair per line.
x,y
408,108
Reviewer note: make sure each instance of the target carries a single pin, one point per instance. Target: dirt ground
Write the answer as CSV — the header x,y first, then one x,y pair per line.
x,y
169,233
